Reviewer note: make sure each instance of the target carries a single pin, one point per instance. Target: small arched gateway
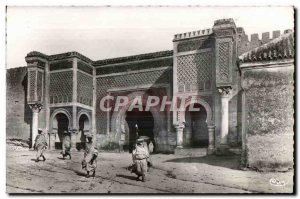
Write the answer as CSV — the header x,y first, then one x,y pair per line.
x,y
84,128
60,122
198,126
150,123
195,131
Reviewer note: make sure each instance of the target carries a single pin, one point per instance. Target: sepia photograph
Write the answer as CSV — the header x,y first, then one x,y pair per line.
x,y
150,100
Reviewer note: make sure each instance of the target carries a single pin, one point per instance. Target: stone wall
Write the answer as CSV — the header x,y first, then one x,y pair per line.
x,y
269,117
18,113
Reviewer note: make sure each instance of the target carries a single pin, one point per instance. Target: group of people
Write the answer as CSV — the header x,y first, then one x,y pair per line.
x,y
140,155
89,162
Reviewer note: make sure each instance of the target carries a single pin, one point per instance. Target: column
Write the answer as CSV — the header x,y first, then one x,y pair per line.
x,y
188,136
94,102
36,108
168,91
225,94
179,132
211,139
52,137
188,129
46,99
108,116
74,133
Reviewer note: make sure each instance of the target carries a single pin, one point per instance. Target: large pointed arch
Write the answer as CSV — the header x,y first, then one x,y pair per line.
x,y
158,116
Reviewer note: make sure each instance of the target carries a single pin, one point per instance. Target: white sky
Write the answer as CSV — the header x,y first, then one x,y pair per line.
x,y
105,32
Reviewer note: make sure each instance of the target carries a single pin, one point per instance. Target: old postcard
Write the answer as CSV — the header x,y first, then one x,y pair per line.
x,y
150,100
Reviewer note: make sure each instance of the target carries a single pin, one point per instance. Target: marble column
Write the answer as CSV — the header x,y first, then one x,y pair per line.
x,y
52,137
36,108
75,125
211,138
179,132
188,136
74,133
225,94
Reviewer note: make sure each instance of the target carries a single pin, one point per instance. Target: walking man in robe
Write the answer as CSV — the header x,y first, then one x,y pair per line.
x,y
66,147
89,162
139,156
40,145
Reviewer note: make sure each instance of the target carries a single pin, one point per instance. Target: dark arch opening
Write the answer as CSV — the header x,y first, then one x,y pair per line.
x,y
84,128
145,122
196,131
62,125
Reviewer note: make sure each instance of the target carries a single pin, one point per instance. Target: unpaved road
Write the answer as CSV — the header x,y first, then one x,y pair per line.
x,y
171,174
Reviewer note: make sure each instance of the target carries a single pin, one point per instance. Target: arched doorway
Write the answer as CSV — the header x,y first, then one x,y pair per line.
x,y
60,124
159,121
139,123
84,128
196,131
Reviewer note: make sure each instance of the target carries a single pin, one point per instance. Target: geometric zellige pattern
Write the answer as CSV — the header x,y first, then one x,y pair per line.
x,y
84,67
40,86
126,80
61,87
31,79
194,70
224,61
84,88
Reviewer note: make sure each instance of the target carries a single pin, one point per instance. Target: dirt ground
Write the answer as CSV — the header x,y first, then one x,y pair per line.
x,y
170,174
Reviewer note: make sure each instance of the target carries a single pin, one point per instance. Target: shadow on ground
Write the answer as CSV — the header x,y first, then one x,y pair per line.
x,y
127,177
231,162
80,173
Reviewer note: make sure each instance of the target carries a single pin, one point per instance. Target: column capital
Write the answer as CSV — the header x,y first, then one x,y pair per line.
x,y
225,91
179,126
36,107
75,131
179,132
211,126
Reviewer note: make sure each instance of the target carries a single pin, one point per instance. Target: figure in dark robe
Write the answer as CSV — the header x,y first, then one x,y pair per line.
x,y
40,145
66,147
89,162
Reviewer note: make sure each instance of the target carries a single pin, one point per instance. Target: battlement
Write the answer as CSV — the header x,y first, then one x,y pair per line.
x,y
265,36
279,48
197,33
256,40
218,24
